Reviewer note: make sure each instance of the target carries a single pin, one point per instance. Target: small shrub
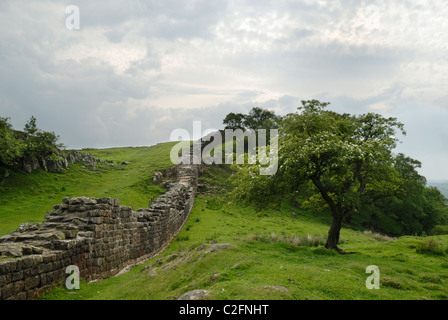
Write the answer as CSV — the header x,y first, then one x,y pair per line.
x,y
431,246
182,237
440,230
213,204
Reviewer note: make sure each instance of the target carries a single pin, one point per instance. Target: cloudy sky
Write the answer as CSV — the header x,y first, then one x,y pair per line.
x,y
137,70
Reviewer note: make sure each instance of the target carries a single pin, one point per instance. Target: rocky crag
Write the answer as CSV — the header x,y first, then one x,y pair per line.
x,y
60,162
98,236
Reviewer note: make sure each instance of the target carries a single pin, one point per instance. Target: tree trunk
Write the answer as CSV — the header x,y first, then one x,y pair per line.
x,y
338,215
333,233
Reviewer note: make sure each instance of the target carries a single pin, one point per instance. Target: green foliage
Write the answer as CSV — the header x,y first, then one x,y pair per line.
x,y
39,143
234,121
214,203
430,246
11,147
31,144
440,230
417,209
257,118
344,164
347,158
31,127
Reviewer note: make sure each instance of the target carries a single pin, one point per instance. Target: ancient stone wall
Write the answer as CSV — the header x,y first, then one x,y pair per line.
x,y
98,236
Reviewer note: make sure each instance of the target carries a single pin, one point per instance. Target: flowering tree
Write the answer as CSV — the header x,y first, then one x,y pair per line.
x,y
347,158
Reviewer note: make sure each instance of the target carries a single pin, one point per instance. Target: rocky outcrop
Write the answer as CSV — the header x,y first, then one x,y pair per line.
x,y
58,163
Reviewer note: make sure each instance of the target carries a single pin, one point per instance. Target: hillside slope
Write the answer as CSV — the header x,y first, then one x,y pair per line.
x,y
234,252
127,176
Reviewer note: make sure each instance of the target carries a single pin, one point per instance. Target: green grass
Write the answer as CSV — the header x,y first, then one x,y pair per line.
x,y
28,197
273,249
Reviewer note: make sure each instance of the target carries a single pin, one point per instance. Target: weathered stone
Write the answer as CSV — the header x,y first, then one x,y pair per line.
x,y
29,249
276,288
4,279
8,291
99,236
74,201
194,295
25,237
215,247
29,165
89,201
31,282
31,261
11,249
17,276
28,227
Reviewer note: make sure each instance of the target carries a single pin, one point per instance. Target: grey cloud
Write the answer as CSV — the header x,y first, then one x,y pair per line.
x,y
164,19
90,104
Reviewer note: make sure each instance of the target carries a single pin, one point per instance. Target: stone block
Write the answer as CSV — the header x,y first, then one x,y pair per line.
x,y
31,261
17,276
31,282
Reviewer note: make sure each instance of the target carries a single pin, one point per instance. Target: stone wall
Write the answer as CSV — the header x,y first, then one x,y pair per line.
x,y
98,236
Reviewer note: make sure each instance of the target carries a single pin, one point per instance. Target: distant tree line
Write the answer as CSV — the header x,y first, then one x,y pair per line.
x,y
257,118
31,143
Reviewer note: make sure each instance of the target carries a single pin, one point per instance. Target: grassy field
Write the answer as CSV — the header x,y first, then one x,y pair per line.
x,y
274,255
277,254
28,197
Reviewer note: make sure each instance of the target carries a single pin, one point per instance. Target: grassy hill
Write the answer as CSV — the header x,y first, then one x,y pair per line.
x,y
27,197
231,250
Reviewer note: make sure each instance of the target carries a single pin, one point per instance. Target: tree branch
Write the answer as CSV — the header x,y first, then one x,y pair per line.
x,y
325,195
